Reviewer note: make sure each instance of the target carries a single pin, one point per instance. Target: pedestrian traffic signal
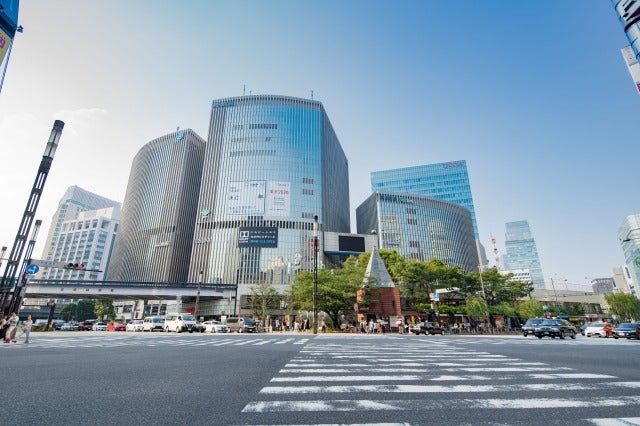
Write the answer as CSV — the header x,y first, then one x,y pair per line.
x,y
75,266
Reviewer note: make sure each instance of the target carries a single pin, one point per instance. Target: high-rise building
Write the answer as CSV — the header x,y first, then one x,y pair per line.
x,y
272,163
87,240
622,280
156,229
629,236
421,228
628,12
444,181
74,201
521,251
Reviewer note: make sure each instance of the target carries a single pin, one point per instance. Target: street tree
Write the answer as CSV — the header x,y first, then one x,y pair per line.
x,y
476,307
104,309
531,308
499,288
625,306
84,309
263,297
68,313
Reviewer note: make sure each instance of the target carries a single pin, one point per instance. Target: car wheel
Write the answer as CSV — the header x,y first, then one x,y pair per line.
x,y
524,334
573,334
615,337
240,330
166,329
562,335
552,336
540,337
426,332
178,330
213,330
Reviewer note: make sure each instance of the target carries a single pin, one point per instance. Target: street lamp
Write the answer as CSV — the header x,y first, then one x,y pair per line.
x,y
195,311
315,274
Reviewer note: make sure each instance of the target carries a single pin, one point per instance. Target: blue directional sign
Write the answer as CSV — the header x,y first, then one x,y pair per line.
x,y
32,269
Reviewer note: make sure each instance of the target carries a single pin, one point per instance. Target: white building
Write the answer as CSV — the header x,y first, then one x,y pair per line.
x,y
523,275
87,240
622,281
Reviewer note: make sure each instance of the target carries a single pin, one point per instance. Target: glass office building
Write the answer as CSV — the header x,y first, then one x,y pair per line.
x,y
420,228
271,164
156,228
521,251
444,181
629,236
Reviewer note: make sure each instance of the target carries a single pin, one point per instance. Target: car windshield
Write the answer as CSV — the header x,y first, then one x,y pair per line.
x,y
249,321
534,321
551,322
627,325
188,318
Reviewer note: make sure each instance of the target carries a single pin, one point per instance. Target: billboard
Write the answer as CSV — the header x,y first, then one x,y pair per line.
x,y
278,198
258,236
5,41
246,197
632,65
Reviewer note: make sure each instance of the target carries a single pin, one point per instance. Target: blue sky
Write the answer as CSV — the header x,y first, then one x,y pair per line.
x,y
534,95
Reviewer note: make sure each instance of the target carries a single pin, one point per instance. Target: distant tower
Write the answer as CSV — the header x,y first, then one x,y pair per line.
x,y
495,253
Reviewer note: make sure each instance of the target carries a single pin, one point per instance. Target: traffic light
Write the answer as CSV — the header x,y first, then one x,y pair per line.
x,y
75,266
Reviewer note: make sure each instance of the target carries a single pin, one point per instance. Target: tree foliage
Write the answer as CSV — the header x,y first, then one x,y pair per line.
x,y
68,313
625,306
104,309
263,298
84,310
476,306
337,289
531,308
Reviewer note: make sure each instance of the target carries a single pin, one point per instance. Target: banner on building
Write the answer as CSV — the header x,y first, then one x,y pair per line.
x,y
258,236
246,197
278,198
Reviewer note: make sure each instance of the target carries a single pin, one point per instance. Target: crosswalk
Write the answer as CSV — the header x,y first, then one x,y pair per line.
x,y
328,379
115,340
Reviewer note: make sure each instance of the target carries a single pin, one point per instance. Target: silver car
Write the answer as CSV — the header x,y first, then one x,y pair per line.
x,y
215,327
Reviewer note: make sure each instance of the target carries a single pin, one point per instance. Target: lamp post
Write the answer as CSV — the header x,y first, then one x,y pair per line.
x,y
315,274
195,310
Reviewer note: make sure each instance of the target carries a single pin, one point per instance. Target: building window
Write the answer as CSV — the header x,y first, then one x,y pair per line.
x,y
307,191
411,210
411,221
307,180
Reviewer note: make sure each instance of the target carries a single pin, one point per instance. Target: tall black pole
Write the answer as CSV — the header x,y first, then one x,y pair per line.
x,y
18,292
8,279
315,274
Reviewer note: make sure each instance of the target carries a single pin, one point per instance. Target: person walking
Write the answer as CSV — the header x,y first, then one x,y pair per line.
x,y
26,328
13,323
3,326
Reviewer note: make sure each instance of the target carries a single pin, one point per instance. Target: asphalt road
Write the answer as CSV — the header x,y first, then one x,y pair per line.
x,y
86,378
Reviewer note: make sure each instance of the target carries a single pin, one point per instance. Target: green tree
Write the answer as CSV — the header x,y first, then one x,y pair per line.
x,y
263,298
68,313
337,289
531,308
498,289
476,307
625,306
104,308
84,310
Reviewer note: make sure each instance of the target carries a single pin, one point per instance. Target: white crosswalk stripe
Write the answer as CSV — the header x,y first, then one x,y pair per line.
x,y
361,376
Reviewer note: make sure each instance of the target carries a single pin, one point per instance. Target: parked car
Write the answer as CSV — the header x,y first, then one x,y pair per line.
x,y
425,328
241,325
626,329
584,326
555,328
183,321
636,333
69,326
153,324
116,326
134,325
599,329
215,327
85,326
530,326
100,326
57,324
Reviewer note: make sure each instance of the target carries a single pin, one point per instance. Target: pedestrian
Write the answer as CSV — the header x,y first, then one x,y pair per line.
x,y
13,323
26,328
3,326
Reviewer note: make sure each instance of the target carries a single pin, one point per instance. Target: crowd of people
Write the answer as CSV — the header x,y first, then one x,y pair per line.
x,y
8,328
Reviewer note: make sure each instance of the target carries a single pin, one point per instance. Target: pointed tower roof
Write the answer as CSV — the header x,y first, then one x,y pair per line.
x,y
377,272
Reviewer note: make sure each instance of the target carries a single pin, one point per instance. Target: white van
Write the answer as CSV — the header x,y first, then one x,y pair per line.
x,y
180,322
152,324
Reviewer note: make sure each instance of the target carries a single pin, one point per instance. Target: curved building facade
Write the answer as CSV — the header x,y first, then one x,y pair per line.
x,y
156,228
420,227
271,164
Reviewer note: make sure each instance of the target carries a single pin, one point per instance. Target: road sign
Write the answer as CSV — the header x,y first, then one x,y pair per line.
x,y
47,263
32,269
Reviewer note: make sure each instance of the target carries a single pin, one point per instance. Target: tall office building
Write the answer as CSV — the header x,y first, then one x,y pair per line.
x,y
421,228
271,164
74,201
629,236
87,240
628,12
622,280
444,181
156,229
521,251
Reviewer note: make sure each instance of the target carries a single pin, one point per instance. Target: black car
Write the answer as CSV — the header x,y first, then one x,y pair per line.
x,y
555,328
427,328
626,329
530,326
